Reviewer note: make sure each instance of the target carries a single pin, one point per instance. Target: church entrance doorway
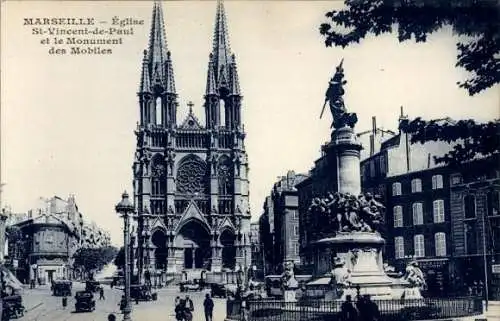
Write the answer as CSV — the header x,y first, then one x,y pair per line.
x,y
159,240
227,239
194,240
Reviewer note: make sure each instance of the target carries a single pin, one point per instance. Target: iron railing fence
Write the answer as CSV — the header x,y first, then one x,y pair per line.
x,y
390,310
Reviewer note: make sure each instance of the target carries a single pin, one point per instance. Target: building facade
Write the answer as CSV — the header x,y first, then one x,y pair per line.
x,y
280,223
418,223
475,228
257,254
43,241
190,179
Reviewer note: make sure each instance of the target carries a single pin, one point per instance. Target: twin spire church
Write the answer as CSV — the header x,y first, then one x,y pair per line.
x,y
190,179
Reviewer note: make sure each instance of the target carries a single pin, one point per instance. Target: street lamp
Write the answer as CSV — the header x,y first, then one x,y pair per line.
x,y
125,208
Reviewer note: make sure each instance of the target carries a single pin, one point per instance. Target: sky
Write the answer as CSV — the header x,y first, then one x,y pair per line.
x,y
67,121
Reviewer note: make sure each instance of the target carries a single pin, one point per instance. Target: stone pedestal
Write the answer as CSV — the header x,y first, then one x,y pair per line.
x,y
361,253
411,293
289,295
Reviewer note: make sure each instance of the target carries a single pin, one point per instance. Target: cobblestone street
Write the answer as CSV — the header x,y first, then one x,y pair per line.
x,y
42,306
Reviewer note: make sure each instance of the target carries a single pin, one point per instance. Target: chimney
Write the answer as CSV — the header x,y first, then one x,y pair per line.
x,y
372,136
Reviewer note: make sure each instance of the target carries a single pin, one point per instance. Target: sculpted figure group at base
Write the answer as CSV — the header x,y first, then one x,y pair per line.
x,y
340,213
414,275
288,280
340,276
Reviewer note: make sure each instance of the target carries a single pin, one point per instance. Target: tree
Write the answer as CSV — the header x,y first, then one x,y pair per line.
x,y
91,259
120,258
476,20
472,139
16,241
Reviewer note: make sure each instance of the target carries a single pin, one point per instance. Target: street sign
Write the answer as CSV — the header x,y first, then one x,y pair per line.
x,y
495,268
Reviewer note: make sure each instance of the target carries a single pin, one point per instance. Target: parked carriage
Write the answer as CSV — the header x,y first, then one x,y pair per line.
x,y
92,286
61,288
84,301
12,307
142,293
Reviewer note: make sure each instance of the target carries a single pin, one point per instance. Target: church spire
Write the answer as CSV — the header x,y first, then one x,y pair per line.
x,y
145,86
169,75
158,53
221,51
157,88
235,82
211,86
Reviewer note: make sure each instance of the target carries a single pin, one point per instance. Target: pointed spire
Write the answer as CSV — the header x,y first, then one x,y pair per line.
x,y
169,75
235,82
157,45
211,87
145,83
221,50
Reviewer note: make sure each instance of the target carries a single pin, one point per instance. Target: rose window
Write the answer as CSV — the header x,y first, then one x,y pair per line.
x,y
192,176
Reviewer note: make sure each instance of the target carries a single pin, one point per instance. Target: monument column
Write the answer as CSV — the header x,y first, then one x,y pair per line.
x,y
347,149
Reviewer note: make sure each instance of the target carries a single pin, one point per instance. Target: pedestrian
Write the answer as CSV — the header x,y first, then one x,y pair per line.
x,y
111,317
101,293
208,305
188,309
179,310
189,304
177,301
368,310
122,303
348,310
64,302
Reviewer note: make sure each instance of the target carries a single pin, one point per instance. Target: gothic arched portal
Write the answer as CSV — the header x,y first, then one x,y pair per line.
x,y
194,241
227,239
159,240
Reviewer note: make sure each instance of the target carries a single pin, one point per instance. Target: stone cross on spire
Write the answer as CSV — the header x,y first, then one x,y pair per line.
x,y
190,105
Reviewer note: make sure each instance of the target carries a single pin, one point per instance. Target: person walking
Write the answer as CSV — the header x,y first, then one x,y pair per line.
x,y
64,302
179,309
348,311
208,305
101,293
189,309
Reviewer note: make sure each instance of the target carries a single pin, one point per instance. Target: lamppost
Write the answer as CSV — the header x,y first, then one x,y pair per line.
x,y
125,209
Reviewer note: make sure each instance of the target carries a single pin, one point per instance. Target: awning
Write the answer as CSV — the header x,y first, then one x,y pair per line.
x,y
321,281
11,280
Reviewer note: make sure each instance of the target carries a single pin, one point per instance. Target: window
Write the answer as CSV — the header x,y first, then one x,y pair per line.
x,y
470,206
399,247
296,230
222,110
297,249
419,245
493,199
382,164
437,181
416,185
456,179
440,243
158,111
294,215
396,189
398,216
418,214
438,210
470,237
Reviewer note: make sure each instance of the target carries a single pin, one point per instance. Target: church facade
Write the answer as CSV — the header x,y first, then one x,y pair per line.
x,y
190,179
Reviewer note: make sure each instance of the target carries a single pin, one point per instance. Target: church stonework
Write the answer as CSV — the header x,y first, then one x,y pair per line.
x,y
190,179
